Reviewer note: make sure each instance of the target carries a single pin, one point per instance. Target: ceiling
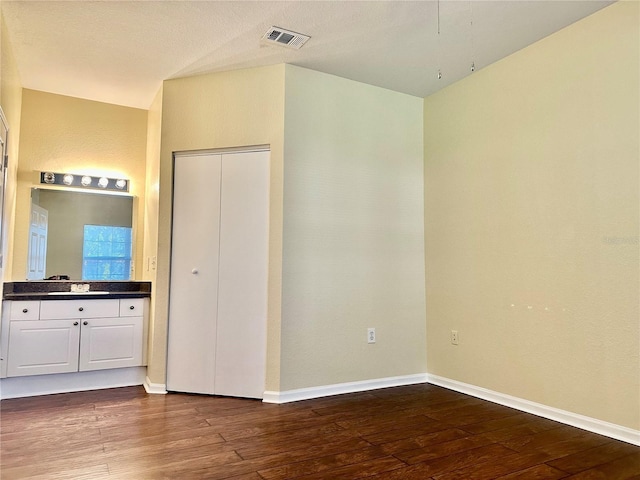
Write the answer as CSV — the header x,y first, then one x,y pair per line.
x,y
120,51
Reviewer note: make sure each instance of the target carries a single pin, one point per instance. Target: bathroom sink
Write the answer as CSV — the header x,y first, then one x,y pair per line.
x,y
95,292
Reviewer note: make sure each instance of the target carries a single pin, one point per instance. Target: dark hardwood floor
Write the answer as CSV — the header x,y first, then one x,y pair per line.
x,y
404,433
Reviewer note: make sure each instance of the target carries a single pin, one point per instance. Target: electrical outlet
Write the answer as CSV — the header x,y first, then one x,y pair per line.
x,y
371,335
454,337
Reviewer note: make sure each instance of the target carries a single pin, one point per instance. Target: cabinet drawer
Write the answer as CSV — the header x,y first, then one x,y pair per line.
x,y
53,309
133,307
26,310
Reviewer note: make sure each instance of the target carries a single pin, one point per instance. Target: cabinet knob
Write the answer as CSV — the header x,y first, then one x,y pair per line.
x,y
25,310
131,307
81,309
75,323
85,323
194,271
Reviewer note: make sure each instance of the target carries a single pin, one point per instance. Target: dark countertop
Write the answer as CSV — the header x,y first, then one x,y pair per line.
x,y
40,289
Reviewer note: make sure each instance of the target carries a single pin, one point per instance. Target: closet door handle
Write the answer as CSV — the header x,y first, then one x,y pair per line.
x,y
75,323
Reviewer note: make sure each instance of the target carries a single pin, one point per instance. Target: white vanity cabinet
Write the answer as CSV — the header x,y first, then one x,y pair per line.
x,y
62,336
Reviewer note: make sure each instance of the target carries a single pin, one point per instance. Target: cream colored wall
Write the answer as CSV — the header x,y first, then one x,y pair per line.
x,y
232,109
370,177
11,102
152,188
152,200
65,134
531,214
353,251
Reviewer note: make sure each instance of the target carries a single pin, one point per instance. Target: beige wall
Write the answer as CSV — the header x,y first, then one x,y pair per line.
x,y
152,188
353,251
531,214
11,102
353,238
152,200
65,134
232,109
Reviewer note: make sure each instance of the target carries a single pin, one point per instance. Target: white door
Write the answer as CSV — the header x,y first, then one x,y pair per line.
x,y
43,346
110,343
242,287
219,264
37,255
193,297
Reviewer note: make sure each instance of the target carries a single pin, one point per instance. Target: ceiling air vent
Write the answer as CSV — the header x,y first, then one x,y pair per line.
x,y
284,38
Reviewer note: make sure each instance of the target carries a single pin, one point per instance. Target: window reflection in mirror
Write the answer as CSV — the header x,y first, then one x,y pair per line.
x,y
85,236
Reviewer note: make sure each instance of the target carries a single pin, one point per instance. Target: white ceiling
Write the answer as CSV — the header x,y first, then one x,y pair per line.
x,y
120,51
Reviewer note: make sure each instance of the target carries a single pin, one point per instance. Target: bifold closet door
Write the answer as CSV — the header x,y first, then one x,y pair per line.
x,y
194,274
243,264
219,319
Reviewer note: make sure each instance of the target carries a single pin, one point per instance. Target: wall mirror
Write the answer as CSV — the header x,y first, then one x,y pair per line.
x,y
79,235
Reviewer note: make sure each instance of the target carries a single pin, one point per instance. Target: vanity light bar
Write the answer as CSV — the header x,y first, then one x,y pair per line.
x,y
84,181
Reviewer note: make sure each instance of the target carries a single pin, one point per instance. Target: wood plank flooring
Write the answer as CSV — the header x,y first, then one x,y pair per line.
x,y
405,433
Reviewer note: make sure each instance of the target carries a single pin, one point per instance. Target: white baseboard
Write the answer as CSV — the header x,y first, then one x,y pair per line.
x,y
17,387
586,423
33,385
154,388
340,388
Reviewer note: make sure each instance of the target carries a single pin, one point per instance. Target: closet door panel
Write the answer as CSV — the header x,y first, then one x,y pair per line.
x,y
194,274
243,266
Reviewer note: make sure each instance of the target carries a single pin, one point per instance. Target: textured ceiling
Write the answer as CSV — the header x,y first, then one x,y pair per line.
x,y
120,51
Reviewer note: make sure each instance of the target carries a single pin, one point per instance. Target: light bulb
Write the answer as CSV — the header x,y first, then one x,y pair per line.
x,y
67,179
103,182
121,183
86,181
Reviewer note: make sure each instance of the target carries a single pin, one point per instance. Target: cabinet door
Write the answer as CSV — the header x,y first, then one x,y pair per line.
x,y
110,343
43,346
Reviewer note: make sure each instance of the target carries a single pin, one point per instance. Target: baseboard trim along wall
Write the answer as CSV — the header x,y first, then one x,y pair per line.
x,y
154,388
607,429
33,385
594,425
340,388
30,386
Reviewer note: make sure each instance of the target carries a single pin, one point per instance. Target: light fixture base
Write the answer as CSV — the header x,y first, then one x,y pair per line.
x,y
85,181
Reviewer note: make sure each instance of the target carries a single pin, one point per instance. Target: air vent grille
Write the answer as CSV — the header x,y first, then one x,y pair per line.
x,y
284,38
